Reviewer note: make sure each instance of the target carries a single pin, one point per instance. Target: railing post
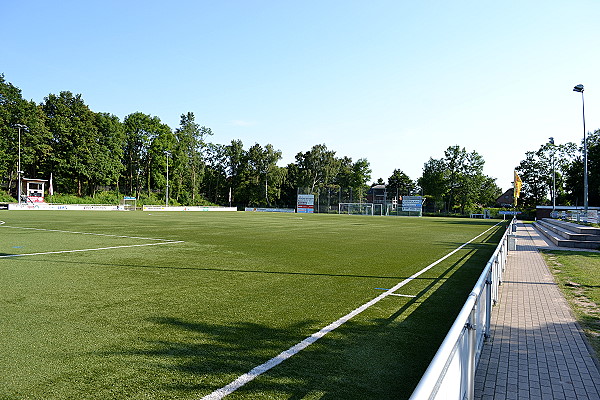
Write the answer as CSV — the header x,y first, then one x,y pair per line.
x,y
472,344
488,305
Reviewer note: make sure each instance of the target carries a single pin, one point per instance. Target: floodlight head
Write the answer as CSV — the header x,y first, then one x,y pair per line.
x,y
21,126
578,88
551,140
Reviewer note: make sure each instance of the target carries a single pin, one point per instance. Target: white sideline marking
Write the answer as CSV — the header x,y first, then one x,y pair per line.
x,y
89,233
162,241
396,294
83,250
261,369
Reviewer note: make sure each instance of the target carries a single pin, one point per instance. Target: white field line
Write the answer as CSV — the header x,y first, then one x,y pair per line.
x,y
89,233
84,250
261,369
162,241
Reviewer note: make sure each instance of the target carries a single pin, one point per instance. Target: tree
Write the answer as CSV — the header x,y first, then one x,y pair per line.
x,y
162,151
261,168
190,146
457,180
353,176
74,141
11,113
399,184
35,139
214,182
533,173
109,153
433,181
537,171
574,173
234,154
318,166
140,130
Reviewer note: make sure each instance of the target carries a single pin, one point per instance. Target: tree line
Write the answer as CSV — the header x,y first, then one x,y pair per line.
x,y
557,170
89,152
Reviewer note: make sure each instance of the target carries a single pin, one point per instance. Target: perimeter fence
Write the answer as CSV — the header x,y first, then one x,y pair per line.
x,y
328,199
451,373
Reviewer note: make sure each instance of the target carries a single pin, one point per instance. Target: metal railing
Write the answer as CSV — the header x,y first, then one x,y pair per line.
x,y
451,373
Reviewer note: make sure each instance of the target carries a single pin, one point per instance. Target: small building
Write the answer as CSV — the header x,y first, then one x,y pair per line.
x,y
33,189
377,194
507,199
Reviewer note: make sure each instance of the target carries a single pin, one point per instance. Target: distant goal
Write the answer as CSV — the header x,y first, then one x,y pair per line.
x,y
358,208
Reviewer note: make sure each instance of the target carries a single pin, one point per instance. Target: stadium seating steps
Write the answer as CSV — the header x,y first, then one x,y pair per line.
x,y
569,234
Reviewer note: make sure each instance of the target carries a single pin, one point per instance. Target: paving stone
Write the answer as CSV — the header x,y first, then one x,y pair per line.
x,y
537,350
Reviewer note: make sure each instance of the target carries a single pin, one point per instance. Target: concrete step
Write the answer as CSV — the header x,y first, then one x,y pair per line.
x,y
569,232
561,241
573,227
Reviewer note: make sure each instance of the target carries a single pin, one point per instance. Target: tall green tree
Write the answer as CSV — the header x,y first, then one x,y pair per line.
x,y
35,138
161,155
108,164
433,182
574,173
214,184
458,180
190,147
539,168
399,184
263,177
140,131
74,141
318,166
353,176
234,154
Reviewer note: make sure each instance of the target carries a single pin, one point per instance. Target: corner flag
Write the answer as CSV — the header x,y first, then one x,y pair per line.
x,y
517,187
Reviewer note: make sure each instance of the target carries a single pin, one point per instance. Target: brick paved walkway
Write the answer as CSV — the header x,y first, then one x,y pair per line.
x,y
537,350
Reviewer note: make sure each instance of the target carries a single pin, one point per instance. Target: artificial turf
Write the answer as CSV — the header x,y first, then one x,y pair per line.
x,y
179,320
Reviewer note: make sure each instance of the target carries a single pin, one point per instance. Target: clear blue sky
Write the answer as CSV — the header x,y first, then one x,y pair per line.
x,y
395,82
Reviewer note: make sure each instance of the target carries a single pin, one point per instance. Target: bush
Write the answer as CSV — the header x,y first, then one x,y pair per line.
x,y
113,197
6,198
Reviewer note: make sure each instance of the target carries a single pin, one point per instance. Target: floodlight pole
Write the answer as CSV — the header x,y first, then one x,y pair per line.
x,y
19,172
167,191
553,175
579,88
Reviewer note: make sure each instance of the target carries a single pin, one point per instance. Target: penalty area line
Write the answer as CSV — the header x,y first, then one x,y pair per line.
x,y
261,369
84,250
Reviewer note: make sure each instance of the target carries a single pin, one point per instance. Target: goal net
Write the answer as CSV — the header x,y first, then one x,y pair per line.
x,y
356,208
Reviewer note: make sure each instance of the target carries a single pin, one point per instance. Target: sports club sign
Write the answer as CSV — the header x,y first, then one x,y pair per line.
x,y
306,203
412,203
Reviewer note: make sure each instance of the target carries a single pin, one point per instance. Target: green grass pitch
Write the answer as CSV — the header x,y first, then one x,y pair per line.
x,y
177,305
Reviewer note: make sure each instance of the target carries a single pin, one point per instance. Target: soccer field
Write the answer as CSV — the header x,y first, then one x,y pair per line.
x,y
139,305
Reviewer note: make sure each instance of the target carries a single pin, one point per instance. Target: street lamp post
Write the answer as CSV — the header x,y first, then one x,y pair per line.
x,y
19,172
167,191
553,176
579,88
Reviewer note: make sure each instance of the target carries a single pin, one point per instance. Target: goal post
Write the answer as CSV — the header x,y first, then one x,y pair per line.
x,y
356,208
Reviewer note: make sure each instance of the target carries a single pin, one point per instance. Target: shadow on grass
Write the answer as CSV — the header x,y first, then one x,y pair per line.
x,y
367,357
57,260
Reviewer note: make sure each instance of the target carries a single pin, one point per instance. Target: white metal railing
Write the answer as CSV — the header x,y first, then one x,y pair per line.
x,y
451,373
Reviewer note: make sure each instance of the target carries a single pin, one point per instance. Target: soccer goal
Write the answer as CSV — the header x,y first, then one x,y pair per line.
x,y
356,208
